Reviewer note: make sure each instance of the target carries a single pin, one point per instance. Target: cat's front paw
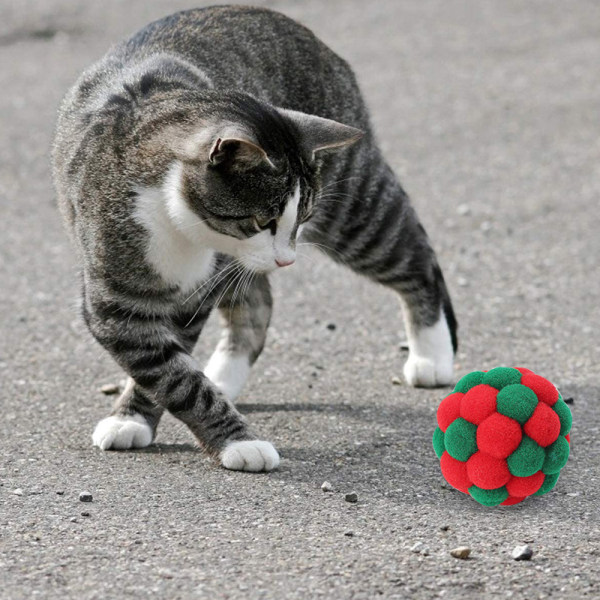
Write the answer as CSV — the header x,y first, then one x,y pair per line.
x,y
420,371
250,455
122,433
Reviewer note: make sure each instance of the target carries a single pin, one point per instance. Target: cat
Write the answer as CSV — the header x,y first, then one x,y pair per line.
x,y
187,164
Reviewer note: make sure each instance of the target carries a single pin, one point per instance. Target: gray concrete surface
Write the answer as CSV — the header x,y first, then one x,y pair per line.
x,y
490,113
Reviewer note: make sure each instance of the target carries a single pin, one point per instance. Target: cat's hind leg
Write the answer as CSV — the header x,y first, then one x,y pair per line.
x,y
245,317
132,423
376,232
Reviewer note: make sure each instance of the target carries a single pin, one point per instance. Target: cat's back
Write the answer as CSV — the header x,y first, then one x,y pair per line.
x,y
257,50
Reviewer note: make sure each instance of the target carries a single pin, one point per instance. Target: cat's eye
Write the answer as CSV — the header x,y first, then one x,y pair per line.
x,y
263,224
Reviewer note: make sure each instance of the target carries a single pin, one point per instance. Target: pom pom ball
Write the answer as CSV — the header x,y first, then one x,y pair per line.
x,y
502,435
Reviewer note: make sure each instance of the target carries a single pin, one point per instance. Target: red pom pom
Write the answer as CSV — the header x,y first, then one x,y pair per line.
x,y
543,426
478,403
448,410
525,486
512,500
487,472
455,473
499,435
544,389
523,370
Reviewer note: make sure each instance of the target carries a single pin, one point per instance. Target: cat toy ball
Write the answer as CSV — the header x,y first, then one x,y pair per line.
x,y
502,435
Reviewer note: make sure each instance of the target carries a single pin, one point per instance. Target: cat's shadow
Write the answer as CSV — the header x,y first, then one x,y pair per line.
x,y
256,407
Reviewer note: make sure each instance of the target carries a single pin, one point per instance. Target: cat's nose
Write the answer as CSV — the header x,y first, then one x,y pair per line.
x,y
284,263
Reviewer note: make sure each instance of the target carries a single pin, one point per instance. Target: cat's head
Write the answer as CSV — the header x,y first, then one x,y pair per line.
x,y
248,179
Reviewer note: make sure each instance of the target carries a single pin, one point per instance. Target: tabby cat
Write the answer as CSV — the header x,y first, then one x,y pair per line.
x,y
187,163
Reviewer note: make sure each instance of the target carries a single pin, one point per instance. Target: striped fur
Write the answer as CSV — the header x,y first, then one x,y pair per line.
x,y
186,162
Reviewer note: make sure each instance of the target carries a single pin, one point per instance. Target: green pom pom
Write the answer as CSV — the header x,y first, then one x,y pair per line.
x,y
500,377
488,497
438,442
469,381
564,414
460,439
557,455
549,482
517,402
527,459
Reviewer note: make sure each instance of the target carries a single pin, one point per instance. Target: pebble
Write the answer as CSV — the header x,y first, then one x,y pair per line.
x,y
522,553
351,497
326,486
110,388
419,548
331,326
85,497
396,381
18,492
73,519
462,552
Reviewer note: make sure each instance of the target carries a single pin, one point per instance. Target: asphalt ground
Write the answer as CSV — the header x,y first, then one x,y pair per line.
x,y
490,113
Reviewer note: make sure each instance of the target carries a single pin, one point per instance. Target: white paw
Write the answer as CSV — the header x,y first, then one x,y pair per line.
x,y
431,356
426,372
251,455
228,372
122,433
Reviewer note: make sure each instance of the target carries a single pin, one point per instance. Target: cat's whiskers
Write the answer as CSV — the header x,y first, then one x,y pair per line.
x,y
218,275
238,273
326,249
238,267
192,225
237,289
337,182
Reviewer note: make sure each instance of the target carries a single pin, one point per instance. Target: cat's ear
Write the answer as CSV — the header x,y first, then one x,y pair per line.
x,y
237,152
321,135
225,147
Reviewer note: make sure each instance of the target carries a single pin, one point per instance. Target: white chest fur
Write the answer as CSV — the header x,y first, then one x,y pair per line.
x,y
178,258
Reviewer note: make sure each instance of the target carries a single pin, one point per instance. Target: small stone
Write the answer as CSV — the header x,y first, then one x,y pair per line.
x,y
110,388
461,552
331,326
522,553
351,497
326,486
349,533
60,493
85,513
18,492
396,381
85,497
73,519
419,548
